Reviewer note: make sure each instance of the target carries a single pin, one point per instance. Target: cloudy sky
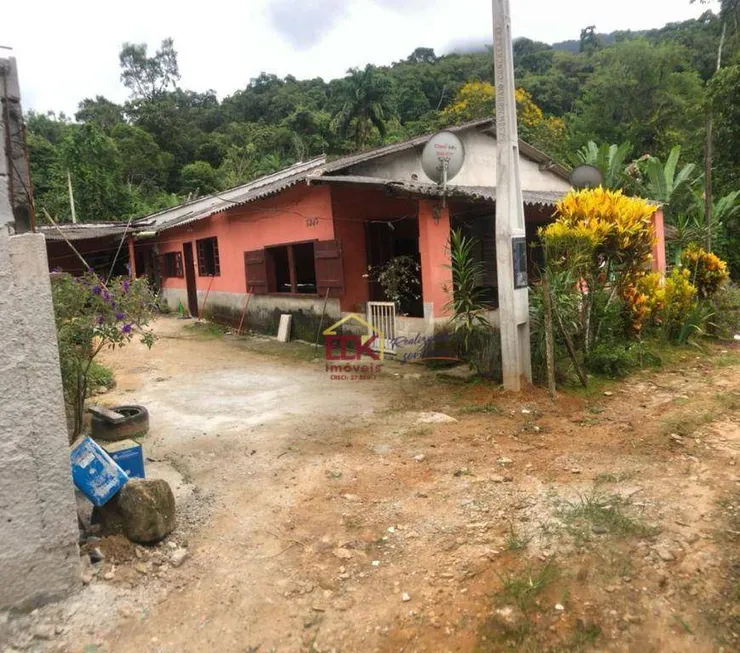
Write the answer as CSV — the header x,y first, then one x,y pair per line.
x,y
69,50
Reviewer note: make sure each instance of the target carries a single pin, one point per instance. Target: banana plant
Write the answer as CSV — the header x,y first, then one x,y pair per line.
x,y
661,182
609,159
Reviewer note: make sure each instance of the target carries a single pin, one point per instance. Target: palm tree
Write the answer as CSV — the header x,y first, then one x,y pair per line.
x,y
368,103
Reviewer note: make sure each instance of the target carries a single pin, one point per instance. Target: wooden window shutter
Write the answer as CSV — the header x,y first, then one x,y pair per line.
x,y
178,265
329,268
256,271
201,258
162,267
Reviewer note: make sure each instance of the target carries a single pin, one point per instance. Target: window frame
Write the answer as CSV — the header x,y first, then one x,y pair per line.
x,y
176,269
292,272
200,243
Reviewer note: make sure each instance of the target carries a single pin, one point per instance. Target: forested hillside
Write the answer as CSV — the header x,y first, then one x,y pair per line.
x,y
651,90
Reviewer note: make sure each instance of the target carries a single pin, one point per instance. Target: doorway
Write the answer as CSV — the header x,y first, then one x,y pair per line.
x,y
187,250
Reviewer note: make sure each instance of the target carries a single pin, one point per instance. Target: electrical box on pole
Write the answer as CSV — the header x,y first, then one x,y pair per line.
x,y
511,244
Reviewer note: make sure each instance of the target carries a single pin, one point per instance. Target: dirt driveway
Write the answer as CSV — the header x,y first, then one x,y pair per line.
x,y
415,514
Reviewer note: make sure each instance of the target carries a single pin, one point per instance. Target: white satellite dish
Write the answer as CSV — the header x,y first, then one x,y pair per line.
x,y
443,157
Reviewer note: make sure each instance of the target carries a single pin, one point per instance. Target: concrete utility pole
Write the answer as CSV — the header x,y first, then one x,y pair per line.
x,y
511,247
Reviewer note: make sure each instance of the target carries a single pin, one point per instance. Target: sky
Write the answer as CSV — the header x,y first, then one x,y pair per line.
x,y
68,51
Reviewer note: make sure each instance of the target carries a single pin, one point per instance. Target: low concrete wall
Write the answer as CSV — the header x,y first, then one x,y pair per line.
x,y
39,559
263,311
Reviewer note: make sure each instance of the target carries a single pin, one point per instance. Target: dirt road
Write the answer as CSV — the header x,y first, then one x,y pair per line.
x,y
345,516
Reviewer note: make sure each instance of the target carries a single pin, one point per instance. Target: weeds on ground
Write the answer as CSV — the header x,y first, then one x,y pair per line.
x,y
607,477
728,400
687,424
99,375
521,589
602,514
514,541
206,330
488,407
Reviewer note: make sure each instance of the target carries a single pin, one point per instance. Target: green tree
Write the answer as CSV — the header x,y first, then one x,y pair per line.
x,y
368,103
199,178
95,166
148,77
609,159
101,112
642,93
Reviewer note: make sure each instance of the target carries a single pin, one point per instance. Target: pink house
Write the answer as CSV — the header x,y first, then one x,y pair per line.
x,y
301,240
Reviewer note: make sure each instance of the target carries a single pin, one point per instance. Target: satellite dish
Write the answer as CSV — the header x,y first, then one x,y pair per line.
x,y
586,176
443,156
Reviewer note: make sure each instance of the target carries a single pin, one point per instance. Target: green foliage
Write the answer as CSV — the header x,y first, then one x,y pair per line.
x,y
148,77
91,316
467,306
400,280
612,360
659,182
367,102
199,178
726,308
99,375
609,159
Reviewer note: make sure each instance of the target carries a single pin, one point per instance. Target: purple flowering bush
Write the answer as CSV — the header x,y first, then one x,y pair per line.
x,y
91,316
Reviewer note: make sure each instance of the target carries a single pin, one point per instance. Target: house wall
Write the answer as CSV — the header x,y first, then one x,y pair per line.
x,y
479,168
298,214
351,208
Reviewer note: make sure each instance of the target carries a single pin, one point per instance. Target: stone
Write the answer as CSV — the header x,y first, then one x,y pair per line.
x,y
598,529
147,509
342,554
559,607
419,458
434,418
504,461
405,597
496,478
109,575
608,393
664,554
575,470
178,557
101,390
141,568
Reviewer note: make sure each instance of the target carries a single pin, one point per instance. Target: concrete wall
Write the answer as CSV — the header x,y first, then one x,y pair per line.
x,y
39,559
263,311
479,168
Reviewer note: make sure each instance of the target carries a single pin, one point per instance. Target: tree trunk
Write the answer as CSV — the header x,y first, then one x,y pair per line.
x,y
708,200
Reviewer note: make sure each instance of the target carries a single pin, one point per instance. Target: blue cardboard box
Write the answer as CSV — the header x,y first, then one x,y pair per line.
x,y
129,456
94,472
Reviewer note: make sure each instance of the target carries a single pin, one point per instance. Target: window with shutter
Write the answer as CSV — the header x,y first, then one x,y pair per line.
x,y
256,271
329,269
171,264
208,260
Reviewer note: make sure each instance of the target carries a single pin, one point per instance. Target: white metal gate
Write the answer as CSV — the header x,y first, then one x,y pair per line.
x,y
382,316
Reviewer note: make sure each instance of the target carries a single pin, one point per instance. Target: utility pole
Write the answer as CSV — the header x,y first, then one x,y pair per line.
x,y
511,246
71,198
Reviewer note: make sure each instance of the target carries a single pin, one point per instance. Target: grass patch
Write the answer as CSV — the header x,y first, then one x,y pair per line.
x,y
602,514
687,424
488,407
728,400
206,330
98,375
603,478
523,588
514,541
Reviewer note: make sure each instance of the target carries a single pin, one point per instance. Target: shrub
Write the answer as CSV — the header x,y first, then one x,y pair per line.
x,y
400,279
612,360
91,315
99,375
726,306
671,302
708,271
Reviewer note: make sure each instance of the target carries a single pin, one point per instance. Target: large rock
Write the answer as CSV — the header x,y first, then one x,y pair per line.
x,y
147,509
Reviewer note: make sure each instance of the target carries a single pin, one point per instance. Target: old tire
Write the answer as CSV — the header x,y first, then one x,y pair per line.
x,y
136,422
